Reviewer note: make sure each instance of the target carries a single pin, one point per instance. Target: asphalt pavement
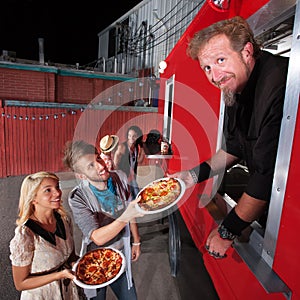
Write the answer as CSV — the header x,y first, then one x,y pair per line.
x,y
151,272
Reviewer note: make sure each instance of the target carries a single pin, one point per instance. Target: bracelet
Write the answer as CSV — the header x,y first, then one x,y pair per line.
x,y
194,175
234,224
225,234
201,172
136,244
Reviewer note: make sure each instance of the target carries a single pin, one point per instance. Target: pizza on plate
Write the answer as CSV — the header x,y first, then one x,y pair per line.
x,y
99,266
159,194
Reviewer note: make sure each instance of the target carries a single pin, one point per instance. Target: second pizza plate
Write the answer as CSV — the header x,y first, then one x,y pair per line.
x,y
159,210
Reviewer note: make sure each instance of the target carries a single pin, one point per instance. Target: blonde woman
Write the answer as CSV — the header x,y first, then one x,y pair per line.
x,y
42,249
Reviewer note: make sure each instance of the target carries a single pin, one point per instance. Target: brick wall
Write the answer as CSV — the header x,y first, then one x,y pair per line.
x,y
49,84
27,85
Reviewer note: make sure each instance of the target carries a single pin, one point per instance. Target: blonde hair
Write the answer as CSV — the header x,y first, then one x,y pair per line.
x,y
29,188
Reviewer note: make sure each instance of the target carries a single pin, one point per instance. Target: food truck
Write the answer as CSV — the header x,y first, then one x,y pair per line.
x,y
267,264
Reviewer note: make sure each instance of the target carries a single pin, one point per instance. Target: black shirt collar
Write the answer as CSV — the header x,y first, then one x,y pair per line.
x,y
47,235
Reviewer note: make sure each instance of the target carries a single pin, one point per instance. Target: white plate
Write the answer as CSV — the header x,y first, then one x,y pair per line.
x,y
182,190
96,286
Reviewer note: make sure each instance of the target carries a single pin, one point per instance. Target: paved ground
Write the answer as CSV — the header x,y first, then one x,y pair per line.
x,y
151,272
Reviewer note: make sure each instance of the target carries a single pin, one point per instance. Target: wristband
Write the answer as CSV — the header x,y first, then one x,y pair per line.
x,y
225,233
136,244
201,172
233,224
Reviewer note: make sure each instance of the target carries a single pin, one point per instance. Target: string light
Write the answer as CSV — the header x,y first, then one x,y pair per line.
x,y
40,117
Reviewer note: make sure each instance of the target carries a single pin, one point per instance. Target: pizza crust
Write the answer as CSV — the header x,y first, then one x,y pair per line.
x,y
159,194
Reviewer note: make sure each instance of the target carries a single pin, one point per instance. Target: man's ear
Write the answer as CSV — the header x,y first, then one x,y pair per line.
x,y
80,176
247,51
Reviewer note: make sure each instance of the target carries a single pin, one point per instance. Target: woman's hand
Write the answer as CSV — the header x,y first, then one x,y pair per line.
x,y
66,274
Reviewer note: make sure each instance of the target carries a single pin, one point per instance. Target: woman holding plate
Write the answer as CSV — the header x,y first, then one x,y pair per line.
x,y
42,249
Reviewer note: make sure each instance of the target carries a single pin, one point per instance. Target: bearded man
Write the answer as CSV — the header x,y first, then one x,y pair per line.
x,y
253,85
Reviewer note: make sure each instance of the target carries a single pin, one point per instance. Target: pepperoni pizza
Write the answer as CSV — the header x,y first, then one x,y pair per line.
x,y
99,266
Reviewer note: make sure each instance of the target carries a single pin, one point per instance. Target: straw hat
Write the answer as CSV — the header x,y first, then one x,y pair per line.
x,y
109,143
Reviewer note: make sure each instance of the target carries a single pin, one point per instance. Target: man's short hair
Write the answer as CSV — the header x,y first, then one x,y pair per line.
x,y
236,29
75,150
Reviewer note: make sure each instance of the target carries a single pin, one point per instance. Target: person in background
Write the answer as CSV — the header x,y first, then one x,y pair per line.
x,y
253,83
152,143
102,207
129,154
42,249
107,146
152,146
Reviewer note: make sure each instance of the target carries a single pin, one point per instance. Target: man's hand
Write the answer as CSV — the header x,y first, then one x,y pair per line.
x,y
185,176
135,252
216,246
131,212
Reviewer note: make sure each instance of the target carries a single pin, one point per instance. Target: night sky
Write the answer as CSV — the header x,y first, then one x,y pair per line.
x,y
69,28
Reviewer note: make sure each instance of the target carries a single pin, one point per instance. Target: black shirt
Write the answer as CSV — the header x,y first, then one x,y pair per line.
x,y
253,123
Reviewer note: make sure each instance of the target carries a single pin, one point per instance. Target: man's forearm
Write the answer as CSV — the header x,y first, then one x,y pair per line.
x,y
241,216
216,165
249,208
104,234
135,232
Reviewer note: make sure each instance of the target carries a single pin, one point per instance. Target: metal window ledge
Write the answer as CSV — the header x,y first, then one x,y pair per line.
x,y
250,252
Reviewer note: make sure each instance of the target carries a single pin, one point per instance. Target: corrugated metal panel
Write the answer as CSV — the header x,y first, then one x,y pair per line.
x,y
94,124
35,137
2,143
166,21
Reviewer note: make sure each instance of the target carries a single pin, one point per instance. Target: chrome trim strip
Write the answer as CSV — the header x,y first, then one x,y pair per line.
x,y
285,145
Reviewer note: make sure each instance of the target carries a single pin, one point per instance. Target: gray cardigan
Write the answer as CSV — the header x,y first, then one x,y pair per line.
x,y
88,215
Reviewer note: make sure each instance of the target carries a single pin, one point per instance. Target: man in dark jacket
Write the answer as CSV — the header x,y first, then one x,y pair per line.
x,y
253,85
